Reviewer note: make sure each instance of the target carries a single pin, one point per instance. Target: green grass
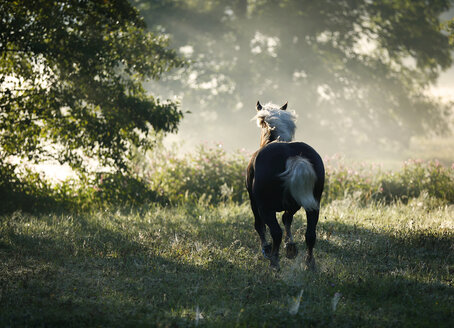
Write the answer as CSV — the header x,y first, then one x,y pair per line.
x,y
200,265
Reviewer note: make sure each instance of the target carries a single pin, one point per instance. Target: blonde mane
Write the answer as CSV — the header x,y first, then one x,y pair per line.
x,y
280,122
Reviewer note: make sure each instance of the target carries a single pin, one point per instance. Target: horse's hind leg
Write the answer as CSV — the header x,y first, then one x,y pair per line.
x,y
312,219
269,218
290,247
260,227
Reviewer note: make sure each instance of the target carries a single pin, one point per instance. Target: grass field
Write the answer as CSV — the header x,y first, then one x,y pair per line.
x,y
200,265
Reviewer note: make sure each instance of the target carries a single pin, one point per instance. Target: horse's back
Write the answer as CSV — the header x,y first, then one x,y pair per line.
x,y
272,157
270,163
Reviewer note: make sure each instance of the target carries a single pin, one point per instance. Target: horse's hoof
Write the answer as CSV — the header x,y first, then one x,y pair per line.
x,y
310,263
291,251
266,251
274,264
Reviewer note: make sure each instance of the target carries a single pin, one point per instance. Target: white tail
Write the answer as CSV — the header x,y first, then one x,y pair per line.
x,y
299,179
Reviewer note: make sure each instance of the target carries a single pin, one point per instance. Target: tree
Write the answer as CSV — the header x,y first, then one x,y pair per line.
x,y
71,81
355,70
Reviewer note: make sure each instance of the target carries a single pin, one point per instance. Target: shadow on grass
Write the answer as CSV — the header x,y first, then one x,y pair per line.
x,y
91,275
97,276
389,278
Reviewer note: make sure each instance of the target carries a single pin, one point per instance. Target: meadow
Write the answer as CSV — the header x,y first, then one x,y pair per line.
x,y
184,252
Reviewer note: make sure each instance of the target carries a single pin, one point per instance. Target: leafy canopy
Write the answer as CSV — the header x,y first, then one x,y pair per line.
x,y
71,81
355,70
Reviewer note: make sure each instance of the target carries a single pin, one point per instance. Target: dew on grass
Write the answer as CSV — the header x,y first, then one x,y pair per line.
x,y
335,300
295,304
198,315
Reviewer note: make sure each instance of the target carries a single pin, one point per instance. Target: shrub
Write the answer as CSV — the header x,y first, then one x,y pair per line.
x,y
209,174
357,181
417,177
21,188
123,190
368,182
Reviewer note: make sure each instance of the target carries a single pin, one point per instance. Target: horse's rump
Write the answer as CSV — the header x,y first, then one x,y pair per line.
x,y
299,179
282,168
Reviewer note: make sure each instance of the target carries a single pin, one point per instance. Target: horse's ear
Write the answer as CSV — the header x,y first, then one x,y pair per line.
x,y
284,107
258,106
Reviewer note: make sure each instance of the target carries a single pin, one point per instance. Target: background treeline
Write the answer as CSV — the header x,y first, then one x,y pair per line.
x,y
94,81
211,176
358,72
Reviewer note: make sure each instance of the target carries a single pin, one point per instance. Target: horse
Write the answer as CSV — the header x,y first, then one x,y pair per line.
x,y
283,175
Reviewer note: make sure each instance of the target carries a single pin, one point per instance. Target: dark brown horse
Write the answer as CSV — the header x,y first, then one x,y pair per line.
x,y
283,176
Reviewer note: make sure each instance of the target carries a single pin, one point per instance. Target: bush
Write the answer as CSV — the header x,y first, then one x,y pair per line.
x,y
21,188
357,181
122,190
210,176
417,177
367,182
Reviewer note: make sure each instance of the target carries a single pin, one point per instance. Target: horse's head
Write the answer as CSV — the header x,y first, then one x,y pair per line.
x,y
277,123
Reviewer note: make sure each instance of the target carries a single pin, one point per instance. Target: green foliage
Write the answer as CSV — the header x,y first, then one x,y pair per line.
x,y
210,175
25,189
355,181
18,192
355,70
116,189
449,26
71,77
367,183
417,177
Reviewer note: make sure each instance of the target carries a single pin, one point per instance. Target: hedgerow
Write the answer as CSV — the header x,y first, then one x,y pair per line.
x,y
211,175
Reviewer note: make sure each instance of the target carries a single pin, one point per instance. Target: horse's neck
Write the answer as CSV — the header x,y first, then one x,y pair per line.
x,y
266,137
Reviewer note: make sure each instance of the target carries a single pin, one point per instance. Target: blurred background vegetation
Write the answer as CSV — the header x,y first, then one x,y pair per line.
x,y
357,72
96,85
210,176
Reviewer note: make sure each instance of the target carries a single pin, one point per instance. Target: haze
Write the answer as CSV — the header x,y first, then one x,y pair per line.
x,y
351,93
